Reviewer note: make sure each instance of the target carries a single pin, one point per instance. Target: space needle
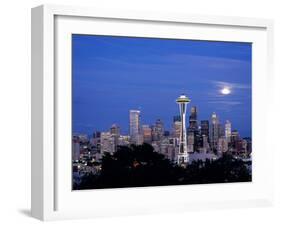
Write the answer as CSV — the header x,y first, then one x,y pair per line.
x,y
182,101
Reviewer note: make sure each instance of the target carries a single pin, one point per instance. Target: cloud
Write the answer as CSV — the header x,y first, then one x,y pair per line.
x,y
231,85
239,94
226,105
225,102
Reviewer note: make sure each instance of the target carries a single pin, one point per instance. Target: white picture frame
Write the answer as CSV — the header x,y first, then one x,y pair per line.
x,y
51,197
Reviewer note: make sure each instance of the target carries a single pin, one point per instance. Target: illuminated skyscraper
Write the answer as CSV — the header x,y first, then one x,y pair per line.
x,y
235,138
115,133
228,131
107,143
193,126
176,126
183,155
214,131
147,135
193,132
205,143
222,145
158,130
205,128
135,126
115,130
190,142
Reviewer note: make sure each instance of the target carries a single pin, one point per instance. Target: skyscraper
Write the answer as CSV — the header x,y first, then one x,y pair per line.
x,y
235,138
115,133
222,145
115,130
147,134
205,143
107,143
96,140
193,131
234,135
176,126
135,126
183,155
190,142
193,126
228,131
158,130
214,131
205,128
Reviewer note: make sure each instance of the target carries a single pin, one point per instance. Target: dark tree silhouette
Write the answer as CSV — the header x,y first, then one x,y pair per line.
x,y
137,166
224,169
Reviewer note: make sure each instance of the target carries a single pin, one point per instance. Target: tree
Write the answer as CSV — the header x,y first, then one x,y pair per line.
x,y
224,169
137,166
133,166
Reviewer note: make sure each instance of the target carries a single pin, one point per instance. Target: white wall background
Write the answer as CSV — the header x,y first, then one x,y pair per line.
x,y
15,111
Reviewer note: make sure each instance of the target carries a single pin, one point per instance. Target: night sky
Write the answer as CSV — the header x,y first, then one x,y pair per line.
x,y
112,75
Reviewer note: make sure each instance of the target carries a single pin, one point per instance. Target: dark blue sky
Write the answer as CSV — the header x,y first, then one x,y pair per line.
x,y
112,75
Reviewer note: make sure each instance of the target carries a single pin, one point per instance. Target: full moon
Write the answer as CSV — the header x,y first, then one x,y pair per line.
x,y
225,91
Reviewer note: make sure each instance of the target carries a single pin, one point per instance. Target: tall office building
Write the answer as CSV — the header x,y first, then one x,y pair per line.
x,y
214,131
107,143
193,126
158,130
190,142
115,130
176,127
135,131
228,131
205,128
147,134
193,130
96,140
235,139
183,159
115,133
221,130
222,145
235,136
205,144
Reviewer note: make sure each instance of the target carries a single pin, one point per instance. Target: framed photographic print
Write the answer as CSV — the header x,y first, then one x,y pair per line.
x,y
137,112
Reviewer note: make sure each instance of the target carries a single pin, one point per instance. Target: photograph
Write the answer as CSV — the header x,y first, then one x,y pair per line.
x,y
150,111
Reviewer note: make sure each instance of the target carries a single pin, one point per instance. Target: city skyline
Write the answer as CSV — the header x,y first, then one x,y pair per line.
x,y
112,75
149,149
227,125
167,128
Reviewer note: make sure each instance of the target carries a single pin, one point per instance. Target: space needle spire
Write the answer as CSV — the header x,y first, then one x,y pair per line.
x,y
182,160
